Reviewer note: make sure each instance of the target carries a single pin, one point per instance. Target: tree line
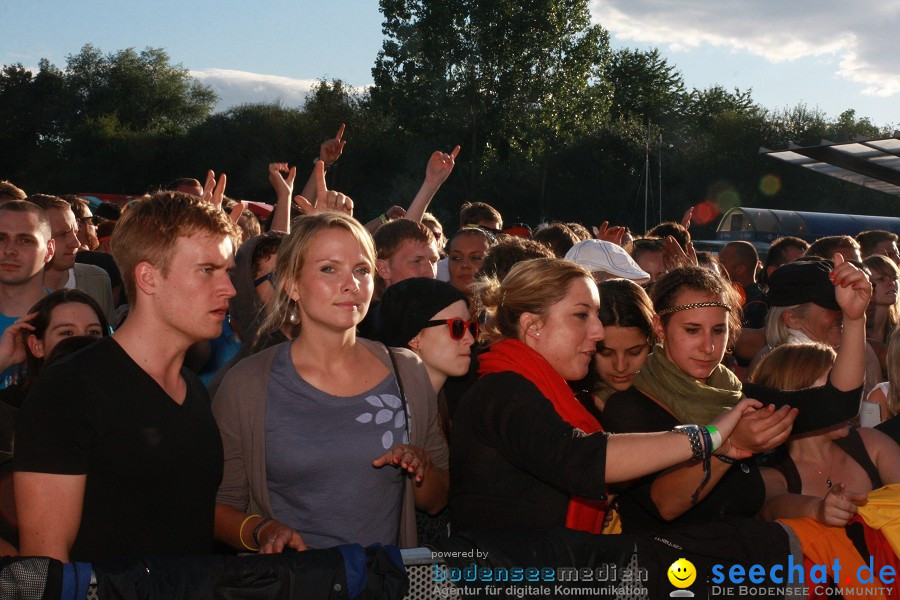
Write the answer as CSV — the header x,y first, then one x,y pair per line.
x,y
553,124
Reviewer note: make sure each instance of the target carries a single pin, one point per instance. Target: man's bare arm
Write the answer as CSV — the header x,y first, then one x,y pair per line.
x,y
49,510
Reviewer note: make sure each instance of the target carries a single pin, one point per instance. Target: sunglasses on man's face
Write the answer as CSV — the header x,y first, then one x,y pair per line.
x,y
458,327
267,277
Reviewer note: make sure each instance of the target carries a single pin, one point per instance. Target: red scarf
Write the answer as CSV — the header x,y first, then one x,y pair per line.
x,y
512,355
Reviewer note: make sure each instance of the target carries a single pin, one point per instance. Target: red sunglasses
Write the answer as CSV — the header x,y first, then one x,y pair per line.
x,y
458,327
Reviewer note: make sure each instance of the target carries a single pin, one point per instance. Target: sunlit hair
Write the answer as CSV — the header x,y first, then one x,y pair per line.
x,y
531,286
665,294
777,331
23,206
556,236
508,252
623,303
292,257
676,230
488,237
390,236
10,191
869,240
642,245
793,366
475,213
893,371
885,267
827,247
777,254
580,231
149,230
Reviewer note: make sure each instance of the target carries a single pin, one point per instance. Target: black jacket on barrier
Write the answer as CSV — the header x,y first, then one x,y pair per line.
x,y
343,572
620,565
346,572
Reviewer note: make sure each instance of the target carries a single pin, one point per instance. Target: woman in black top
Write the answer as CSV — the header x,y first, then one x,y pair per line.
x,y
697,316
524,453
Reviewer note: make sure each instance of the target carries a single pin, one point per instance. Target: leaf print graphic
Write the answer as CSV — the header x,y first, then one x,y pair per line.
x,y
391,400
364,418
387,440
399,420
374,401
383,416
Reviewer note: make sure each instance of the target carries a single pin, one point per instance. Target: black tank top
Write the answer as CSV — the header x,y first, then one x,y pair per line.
x,y
852,444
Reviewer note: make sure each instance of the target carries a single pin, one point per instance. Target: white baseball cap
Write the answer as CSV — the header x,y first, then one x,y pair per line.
x,y
600,255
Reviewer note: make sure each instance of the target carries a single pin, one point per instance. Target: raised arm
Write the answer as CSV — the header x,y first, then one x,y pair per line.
x,y
439,167
284,187
853,290
329,151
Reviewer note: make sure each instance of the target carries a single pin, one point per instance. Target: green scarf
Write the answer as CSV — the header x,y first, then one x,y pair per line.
x,y
690,400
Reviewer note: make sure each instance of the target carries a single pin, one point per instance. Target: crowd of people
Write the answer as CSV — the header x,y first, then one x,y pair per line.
x,y
180,371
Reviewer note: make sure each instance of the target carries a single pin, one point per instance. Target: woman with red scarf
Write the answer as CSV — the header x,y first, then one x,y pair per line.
x,y
524,453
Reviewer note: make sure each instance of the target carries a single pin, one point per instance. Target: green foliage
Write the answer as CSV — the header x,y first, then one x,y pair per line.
x,y
552,124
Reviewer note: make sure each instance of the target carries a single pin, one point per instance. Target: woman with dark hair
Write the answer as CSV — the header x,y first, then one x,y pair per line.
x,y
524,453
55,317
465,253
697,315
627,316
683,381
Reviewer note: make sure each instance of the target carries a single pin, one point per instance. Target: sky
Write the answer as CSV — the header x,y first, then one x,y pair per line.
x,y
832,55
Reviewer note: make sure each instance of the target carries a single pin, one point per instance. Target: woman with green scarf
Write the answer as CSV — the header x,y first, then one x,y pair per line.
x,y
683,381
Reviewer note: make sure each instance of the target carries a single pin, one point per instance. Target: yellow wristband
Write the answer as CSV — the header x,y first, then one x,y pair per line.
x,y
241,533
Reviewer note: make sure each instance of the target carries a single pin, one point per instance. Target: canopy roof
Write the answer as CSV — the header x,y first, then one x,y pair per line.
x,y
871,163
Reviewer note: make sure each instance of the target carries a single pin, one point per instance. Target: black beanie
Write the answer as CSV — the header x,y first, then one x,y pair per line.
x,y
407,305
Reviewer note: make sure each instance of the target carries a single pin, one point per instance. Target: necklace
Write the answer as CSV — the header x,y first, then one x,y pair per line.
x,y
828,477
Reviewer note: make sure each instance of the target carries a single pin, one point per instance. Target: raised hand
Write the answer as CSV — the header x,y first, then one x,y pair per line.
x,y
852,290
439,167
412,459
395,212
686,217
331,150
12,342
213,190
609,234
325,199
674,256
838,506
283,186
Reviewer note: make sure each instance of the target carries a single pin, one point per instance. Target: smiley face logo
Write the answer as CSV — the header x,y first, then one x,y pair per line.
x,y
682,573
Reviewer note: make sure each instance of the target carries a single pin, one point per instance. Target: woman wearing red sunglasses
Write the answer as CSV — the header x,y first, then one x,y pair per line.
x,y
431,318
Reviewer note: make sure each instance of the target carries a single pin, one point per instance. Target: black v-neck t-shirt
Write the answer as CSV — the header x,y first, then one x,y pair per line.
x,y
153,466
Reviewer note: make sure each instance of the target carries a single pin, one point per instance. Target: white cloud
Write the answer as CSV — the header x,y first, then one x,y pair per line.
x,y
242,87
860,36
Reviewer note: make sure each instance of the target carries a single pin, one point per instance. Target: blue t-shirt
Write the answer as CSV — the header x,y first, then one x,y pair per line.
x,y
319,453
12,373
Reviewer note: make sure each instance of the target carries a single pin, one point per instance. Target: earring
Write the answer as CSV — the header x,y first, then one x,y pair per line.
x,y
537,333
293,315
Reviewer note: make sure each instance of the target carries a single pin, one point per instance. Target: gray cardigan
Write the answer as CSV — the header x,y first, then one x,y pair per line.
x,y
240,411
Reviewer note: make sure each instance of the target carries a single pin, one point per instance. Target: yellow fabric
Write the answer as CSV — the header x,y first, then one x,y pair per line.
x,y
822,544
882,512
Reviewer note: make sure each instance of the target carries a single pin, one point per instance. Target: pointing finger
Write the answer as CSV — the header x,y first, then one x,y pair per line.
x,y
340,132
319,173
455,153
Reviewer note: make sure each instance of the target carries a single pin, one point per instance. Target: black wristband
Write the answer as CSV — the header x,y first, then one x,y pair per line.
x,y
257,528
